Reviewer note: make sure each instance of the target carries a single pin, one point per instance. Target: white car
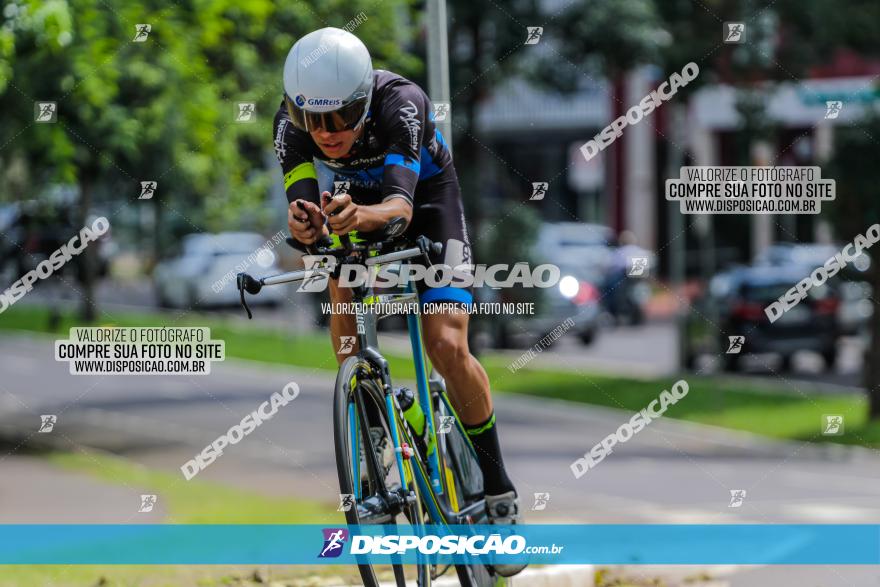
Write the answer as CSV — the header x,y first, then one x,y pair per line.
x,y
204,274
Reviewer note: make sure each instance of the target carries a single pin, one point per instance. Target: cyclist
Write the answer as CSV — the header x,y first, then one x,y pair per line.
x,y
373,129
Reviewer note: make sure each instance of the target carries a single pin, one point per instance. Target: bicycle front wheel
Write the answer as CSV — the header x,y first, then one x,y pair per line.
x,y
366,464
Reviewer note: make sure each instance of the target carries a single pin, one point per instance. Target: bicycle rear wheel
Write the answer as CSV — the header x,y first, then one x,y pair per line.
x,y
359,405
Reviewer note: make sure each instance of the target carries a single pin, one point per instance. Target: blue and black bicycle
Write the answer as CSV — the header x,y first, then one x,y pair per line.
x,y
398,461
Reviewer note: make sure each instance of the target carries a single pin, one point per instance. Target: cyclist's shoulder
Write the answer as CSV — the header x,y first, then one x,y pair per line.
x,y
391,90
384,80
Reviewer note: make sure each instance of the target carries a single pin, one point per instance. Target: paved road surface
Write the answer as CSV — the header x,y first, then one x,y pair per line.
x,y
671,472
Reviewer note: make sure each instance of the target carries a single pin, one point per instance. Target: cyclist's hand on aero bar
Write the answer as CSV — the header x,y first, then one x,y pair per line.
x,y
307,225
343,215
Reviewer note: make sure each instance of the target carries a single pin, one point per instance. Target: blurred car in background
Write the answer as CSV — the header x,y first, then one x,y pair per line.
x,y
594,248
583,252
734,306
809,255
576,241
854,292
576,296
35,229
203,274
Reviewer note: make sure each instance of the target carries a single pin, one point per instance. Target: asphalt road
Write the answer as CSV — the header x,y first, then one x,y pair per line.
x,y
671,472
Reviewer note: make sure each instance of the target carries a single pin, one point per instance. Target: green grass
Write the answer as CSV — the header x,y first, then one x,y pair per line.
x,y
243,339
186,502
199,502
770,409
740,406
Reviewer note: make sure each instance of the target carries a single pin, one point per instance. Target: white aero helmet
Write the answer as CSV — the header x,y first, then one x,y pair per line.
x,y
328,81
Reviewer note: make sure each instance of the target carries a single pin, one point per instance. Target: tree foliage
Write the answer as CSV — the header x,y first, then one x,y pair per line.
x,y
163,109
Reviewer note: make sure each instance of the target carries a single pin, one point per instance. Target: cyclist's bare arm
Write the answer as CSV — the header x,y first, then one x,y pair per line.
x,y
344,215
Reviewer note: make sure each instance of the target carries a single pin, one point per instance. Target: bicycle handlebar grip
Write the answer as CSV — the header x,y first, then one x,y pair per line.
x,y
249,284
295,244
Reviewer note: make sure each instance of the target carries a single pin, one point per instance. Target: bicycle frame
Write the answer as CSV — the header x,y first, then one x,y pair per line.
x,y
430,482
433,483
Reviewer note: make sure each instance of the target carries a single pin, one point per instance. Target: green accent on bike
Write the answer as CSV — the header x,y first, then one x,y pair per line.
x,y
354,439
450,487
425,478
407,465
432,438
432,444
416,418
370,300
410,479
352,236
301,171
396,431
483,428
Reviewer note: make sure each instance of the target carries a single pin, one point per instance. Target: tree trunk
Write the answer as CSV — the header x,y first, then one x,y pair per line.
x,y
872,354
88,308
616,154
466,149
158,251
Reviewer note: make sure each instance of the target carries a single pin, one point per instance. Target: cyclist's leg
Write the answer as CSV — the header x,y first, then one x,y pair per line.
x,y
445,337
439,216
341,324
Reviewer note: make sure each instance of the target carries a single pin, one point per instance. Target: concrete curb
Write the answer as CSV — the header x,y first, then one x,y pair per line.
x,y
556,576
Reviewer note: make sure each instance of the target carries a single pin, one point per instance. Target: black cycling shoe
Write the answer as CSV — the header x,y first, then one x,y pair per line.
x,y
504,510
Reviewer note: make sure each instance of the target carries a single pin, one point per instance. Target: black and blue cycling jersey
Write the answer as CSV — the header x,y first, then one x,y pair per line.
x,y
400,154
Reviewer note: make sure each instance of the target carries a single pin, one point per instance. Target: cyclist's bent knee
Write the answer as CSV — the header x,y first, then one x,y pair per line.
x,y
448,350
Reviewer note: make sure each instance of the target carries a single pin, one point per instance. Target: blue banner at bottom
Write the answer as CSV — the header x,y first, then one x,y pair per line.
x,y
739,544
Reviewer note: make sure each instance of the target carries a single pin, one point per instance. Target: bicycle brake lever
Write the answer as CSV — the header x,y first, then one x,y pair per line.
x,y
244,303
427,247
247,283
